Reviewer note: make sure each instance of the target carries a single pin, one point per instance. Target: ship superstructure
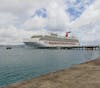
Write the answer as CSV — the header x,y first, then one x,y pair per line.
x,y
52,40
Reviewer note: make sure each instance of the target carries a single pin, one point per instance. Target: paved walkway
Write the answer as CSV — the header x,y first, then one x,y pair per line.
x,y
85,75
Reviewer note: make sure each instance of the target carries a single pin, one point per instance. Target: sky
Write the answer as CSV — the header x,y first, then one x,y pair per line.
x,y
20,19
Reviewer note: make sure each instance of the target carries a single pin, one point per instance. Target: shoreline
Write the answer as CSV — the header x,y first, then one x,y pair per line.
x,y
85,75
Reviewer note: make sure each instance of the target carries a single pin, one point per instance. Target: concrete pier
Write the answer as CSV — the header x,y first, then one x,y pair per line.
x,y
74,47
86,75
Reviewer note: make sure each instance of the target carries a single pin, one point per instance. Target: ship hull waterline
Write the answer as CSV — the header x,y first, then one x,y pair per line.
x,y
38,45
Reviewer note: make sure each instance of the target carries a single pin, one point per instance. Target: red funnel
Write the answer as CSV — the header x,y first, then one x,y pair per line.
x,y
67,34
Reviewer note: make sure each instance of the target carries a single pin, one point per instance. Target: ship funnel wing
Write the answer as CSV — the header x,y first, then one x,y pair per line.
x,y
67,34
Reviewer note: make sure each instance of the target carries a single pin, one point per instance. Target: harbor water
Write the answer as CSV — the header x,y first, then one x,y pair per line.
x,y
23,63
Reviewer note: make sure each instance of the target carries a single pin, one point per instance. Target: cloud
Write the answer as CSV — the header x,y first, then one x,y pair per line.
x,y
7,18
90,15
77,7
22,18
88,24
15,6
89,34
36,23
17,22
56,17
13,35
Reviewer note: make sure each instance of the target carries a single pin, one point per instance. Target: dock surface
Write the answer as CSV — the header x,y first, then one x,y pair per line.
x,y
86,75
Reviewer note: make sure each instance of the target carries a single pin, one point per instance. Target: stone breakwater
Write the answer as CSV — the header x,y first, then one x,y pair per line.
x,y
86,75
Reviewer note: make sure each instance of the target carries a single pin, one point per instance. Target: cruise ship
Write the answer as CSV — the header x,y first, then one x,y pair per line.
x,y
52,40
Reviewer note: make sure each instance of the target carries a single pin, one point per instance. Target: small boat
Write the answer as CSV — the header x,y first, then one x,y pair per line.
x,y
8,48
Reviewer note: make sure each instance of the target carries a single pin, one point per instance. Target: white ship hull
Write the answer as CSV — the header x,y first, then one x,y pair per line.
x,y
34,44
51,41
49,44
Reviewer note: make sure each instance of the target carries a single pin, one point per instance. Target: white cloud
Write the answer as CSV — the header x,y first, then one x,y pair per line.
x,y
11,34
25,8
57,19
36,23
90,15
87,25
89,34
7,18
16,13
15,6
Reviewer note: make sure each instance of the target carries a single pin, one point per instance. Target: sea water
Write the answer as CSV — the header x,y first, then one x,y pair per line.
x,y
23,63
